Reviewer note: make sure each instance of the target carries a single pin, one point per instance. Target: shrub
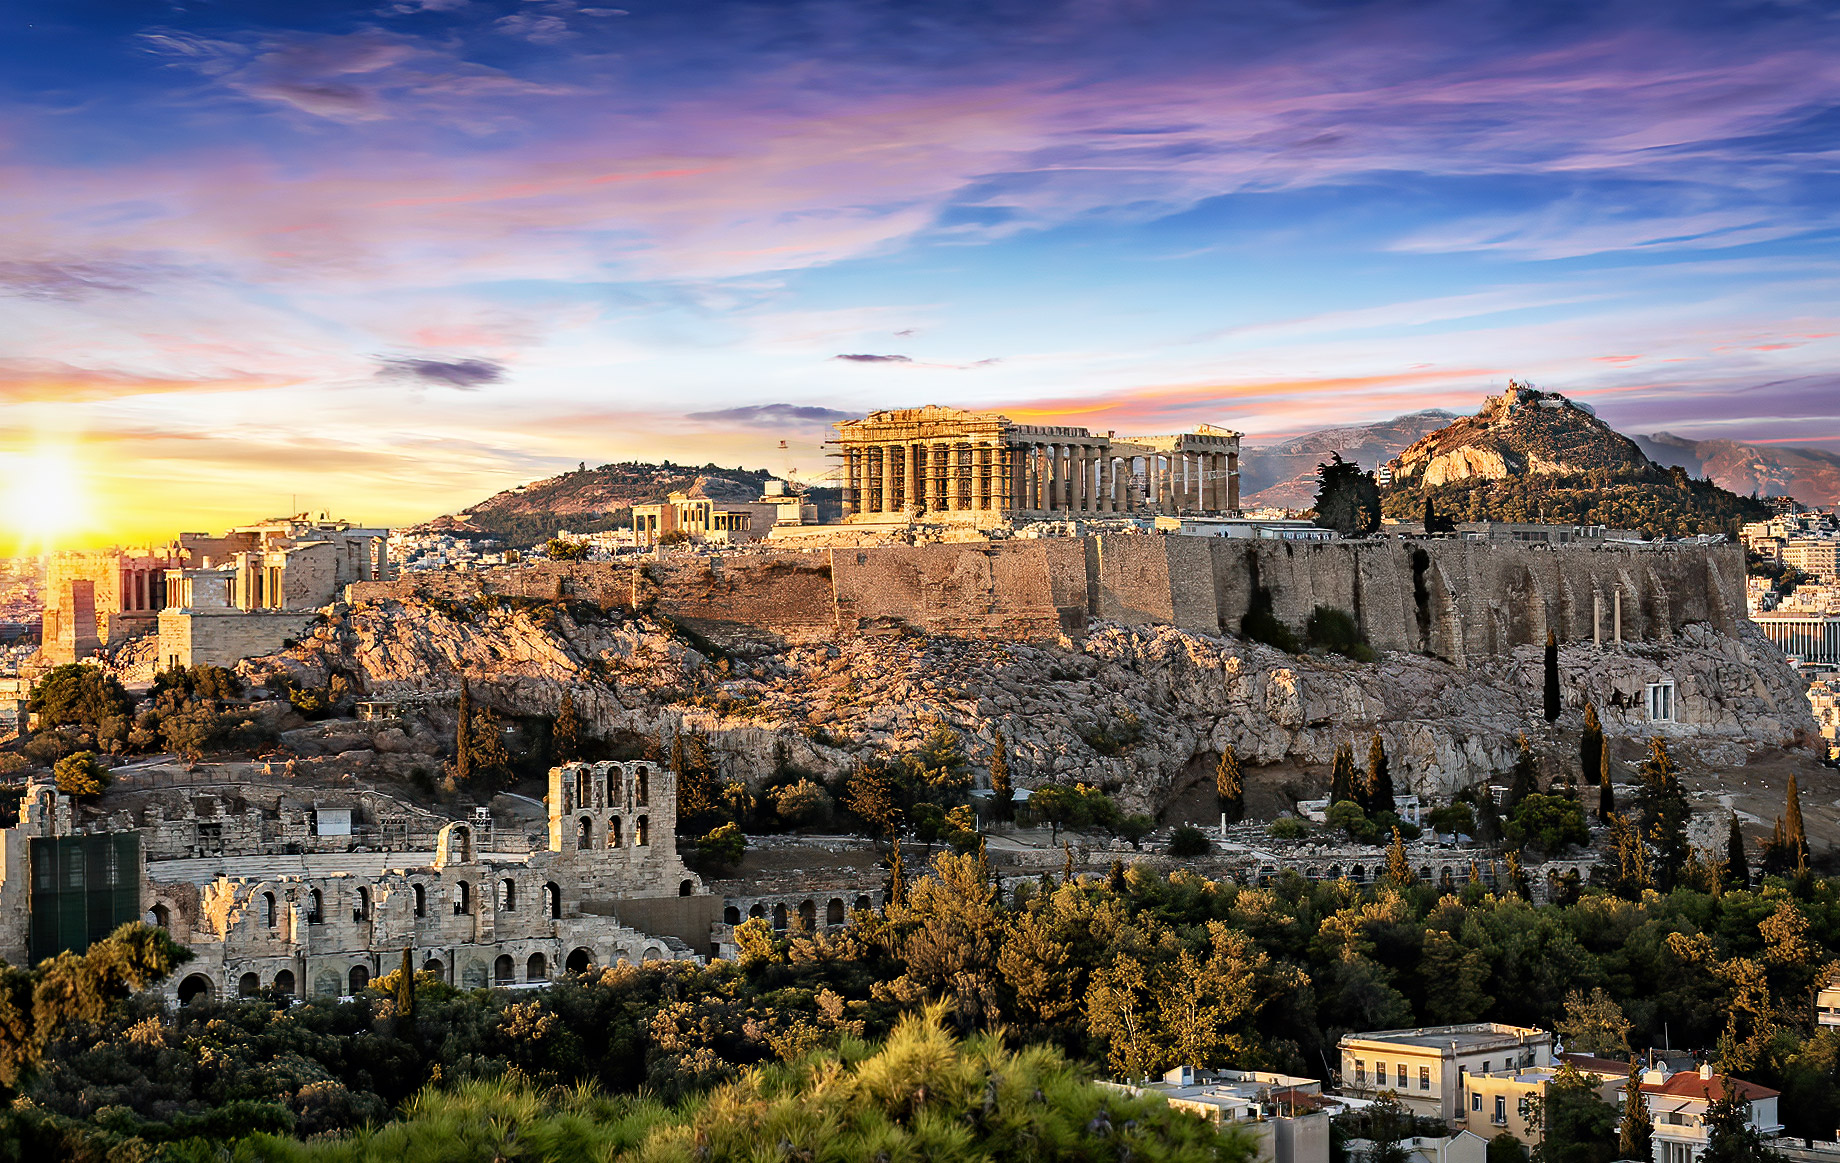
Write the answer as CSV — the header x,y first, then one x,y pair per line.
x,y
1288,828
1261,625
801,804
1189,841
1335,631
78,774
722,846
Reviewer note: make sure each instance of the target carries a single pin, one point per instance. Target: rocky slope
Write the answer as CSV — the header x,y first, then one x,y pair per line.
x,y
1189,695
1522,431
596,495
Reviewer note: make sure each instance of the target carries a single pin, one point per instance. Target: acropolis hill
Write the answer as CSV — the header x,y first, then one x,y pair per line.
x,y
834,654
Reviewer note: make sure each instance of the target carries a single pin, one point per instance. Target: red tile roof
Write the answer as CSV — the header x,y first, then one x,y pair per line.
x,y
1594,1065
1688,1084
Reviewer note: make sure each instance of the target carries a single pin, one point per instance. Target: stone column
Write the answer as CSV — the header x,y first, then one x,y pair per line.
x,y
850,497
911,494
889,452
1082,481
980,481
1191,466
1051,477
1233,481
1597,622
1617,615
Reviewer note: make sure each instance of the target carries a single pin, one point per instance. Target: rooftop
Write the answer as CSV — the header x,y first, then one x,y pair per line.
x,y
1470,1036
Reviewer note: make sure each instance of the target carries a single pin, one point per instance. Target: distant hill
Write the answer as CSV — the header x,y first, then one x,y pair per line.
x,y
593,499
1810,475
1284,475
1530,455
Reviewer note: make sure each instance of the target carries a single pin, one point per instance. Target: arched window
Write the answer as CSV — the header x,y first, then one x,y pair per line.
x,y
864,903
644,789
759,910
779,917
808,916
642,831
195,989
361,908
552,901
686,888
507,895
833,912
503,970
463,899
433,965
615,787
268,909
460,846
583,783
613,832
584,833
580,961
731,915
248,985
284,982
316,913
421,901
357,979
537,968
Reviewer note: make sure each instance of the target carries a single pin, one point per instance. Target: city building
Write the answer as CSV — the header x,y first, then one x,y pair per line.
x,y
944,464
1509,1100
1529,531
1678,1102
1286,1117
1283,529
1428,1068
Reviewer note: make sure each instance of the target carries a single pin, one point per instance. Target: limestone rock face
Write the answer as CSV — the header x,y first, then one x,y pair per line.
x,y
1190,695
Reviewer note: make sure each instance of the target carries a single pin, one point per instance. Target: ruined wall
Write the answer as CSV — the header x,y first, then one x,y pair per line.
x,y
1458,600
193,638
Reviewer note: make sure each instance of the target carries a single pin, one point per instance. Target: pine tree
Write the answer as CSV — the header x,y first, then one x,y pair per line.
x,y
565,736
1606,795
1664,814
1793,831
1737,864
1591,752
1002,792
463,737
405,989
1341,775
1379,785
897,882
1517,877
1635,1127
1229,785
1114,877
1398,868
1552,678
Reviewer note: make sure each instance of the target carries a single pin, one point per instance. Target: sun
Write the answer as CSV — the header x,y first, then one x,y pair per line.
x,y
46,496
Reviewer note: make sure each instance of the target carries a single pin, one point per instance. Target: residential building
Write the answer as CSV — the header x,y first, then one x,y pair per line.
x,y
1428,1068
1678,1102
1813,556
1509,1100
1462,1147
1827,1002
1286,1116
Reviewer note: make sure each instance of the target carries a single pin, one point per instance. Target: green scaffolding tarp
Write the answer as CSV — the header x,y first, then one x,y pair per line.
x,y
83,888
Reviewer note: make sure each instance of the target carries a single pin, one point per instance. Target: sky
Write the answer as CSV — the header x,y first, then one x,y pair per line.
x,y
384,259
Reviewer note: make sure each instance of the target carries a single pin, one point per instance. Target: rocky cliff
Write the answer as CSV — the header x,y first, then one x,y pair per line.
x,y
1521,431
1169,699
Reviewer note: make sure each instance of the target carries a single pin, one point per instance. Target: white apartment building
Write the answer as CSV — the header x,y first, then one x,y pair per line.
x,y
1678,1104
1287,1117
1427,1068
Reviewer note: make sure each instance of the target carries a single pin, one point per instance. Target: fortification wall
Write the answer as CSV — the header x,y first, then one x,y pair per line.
x,y
1458,600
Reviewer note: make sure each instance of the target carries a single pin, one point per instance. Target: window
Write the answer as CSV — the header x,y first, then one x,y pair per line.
x,y
268,909
1485,1065
1402,1076
584,834
1360,1072
315,915
1379,1074
1659,698
421,901
361,910
1475,1100
507,896
1424,1078
1501,1109
463,899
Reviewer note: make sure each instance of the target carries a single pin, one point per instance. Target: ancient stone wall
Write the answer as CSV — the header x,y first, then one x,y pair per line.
x,y
192,638
1458,600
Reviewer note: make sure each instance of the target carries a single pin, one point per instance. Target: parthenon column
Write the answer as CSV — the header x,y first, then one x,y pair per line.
x,y
889,452
1192,492
1233,481
980,480
1082,479
911,494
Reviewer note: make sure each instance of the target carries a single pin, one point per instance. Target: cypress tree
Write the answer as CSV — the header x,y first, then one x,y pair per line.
x,y
565,736
1341,775
1430,517
1114,878
1002,792
1517,877
1526,780
897,883
463,736
1793,831
1737,864
1379,777
1552,678
1591,747
1635,1127
1606,795
1398,868
1229,785
1664,814
405,989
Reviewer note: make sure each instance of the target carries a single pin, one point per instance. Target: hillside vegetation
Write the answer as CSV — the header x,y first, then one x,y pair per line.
x,y
592,499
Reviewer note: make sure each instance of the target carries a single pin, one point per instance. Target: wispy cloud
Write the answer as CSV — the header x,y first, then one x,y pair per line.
x,y
465,374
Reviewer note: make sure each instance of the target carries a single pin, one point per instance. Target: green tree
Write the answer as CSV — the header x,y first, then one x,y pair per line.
x,y
1551,823
1731,1137
1230,785
1347,499
556,549
80,776
1135,827
79,694
1398,867
1594,1024
1002,790
1553,701
463,737
1524,780
565,736
405,987
1455,977
1576,1126
1188,841
1737,863
1505,1148
1377,788
490,758
723,845
1664,814
1076,808
1341,775
1635,1129
1793,830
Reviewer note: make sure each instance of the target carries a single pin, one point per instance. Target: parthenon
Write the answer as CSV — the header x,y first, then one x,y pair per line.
x,y
948,464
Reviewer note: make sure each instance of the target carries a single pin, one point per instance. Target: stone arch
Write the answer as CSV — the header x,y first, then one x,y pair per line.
x,y
580,961
284,982
731,915
433,965
316,907
759,910
833,912
686,888
270,914
1525,613
1357,874
507,895
653,953
463,898
248,985
421,900
552,900
1335,872
780,917
357,979
613,831
864,903
584,833
196,989
616,790
504,970
808,915
536,968
454,845
642,832
584,790
160,916
361,905
642,778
